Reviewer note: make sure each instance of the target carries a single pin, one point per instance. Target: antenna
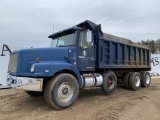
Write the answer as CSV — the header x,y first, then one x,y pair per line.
x,y
53,29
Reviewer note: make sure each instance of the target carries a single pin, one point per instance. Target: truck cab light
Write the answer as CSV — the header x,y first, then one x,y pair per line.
x,y
32,68
37,60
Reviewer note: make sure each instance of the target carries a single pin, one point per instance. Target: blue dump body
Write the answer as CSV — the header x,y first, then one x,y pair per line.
x,y
115,52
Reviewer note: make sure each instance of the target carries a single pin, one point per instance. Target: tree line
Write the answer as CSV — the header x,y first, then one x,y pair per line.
x,y
154,45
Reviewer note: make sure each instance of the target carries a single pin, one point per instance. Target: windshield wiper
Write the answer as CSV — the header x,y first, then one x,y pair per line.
x,y
61,46
65,45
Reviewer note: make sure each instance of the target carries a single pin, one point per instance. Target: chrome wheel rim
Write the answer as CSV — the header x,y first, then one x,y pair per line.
x,y
111,82
65,92
137,81
147,79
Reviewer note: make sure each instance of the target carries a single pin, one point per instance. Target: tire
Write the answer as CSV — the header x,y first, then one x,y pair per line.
x,y
145,79
34,93
134,81
109,82
126,80
61,91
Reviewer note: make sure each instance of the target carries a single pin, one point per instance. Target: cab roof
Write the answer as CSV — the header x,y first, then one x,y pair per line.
x,y
88,24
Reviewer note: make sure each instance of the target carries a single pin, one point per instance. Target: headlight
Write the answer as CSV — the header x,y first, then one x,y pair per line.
x,y
32,67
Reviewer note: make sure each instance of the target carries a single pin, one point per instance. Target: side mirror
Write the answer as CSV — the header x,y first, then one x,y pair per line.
x,y
89,36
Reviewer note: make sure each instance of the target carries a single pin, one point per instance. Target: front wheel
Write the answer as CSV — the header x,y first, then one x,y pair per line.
x,y
109,82
61,91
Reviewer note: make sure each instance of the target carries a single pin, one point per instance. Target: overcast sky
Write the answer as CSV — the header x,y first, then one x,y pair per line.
x,y
30,22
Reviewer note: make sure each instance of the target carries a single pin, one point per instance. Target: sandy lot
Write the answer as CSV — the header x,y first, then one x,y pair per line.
x,y
123,104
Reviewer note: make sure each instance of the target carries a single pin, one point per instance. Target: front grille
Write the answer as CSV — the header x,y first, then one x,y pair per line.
x,y
13,63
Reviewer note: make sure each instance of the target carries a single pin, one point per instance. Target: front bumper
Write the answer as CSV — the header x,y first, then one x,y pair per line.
x,y
25,83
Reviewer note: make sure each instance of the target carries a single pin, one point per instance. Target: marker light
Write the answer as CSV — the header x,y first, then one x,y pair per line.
x,y
37,60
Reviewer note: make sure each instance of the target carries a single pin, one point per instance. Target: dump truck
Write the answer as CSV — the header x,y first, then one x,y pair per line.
x,y
79,57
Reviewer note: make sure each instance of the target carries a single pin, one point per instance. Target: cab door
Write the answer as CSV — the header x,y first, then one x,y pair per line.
x,y
86,51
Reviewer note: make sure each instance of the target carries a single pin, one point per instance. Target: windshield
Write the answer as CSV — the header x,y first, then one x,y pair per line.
x,y
68,39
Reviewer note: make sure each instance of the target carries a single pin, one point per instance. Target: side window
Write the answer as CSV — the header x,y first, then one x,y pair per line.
x,y
83,40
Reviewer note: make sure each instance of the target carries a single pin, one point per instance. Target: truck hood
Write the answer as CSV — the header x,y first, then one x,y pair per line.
x,y
25,57
44,54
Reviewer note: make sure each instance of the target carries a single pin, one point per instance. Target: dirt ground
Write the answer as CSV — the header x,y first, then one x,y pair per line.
x,y
123,104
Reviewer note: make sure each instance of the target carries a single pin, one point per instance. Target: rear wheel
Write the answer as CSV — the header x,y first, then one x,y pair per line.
x,y
125,80
34,93
109,82
61,91
134,81
145,79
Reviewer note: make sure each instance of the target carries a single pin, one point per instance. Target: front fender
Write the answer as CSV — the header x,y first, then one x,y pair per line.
x,y
49,69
